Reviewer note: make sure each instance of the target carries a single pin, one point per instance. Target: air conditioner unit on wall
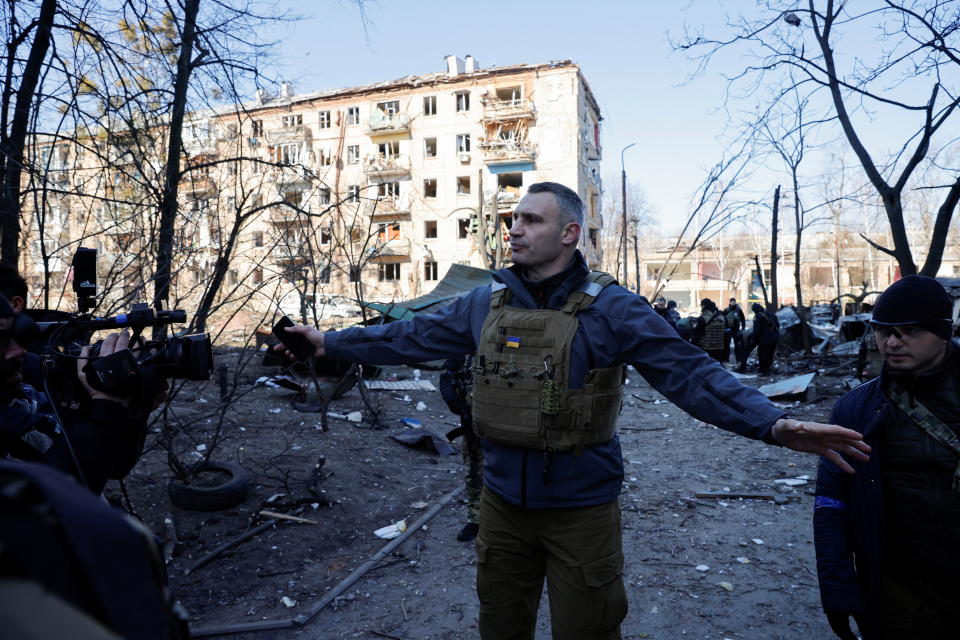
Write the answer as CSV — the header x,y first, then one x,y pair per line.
x,y
464,157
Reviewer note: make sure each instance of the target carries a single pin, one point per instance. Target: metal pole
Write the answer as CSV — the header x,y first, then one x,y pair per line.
x,y
623,232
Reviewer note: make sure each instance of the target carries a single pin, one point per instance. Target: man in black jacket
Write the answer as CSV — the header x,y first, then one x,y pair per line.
x,y
736,323
764,336
888,537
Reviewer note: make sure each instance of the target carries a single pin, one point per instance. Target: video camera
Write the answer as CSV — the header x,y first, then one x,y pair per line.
x,y
130,373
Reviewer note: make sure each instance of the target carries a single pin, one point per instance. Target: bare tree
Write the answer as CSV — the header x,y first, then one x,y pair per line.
x,y
641,215
918,55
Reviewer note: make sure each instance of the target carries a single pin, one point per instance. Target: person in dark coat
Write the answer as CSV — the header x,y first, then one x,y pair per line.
x,y
766,334
736,323
888,537
660,306
711,328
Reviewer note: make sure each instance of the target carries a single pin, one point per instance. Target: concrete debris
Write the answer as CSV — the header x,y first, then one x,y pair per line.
x,y
792,482
401,385
795,386
391,531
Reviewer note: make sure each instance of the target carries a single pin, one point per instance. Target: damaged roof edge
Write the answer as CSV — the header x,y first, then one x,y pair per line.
x,y
589,92
409,82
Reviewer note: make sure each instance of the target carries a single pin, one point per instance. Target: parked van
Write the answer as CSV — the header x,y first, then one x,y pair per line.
x,y
326,305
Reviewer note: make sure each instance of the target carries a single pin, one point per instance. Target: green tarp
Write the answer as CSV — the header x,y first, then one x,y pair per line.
x,y
460,279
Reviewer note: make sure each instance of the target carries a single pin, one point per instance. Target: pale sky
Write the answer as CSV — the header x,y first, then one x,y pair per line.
x,y
622,47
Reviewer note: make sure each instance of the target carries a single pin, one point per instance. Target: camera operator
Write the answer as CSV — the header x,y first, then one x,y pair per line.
x,y
97,442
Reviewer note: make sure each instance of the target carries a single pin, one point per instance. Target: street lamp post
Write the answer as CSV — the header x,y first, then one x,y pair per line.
x,y
623,234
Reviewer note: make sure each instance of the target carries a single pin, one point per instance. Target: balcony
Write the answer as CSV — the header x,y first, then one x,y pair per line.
x,y
287,249
507,198
199,186
502,151
499,110
396,248
386,166
290,134
382,124
284,216
390,207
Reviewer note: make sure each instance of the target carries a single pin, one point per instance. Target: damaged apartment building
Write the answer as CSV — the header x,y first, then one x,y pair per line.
x,y
371,191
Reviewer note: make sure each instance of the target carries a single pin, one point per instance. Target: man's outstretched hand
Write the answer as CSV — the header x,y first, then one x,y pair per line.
x,y
312,334
827,440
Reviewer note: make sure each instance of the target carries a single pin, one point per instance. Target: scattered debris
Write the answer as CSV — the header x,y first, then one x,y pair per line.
x,y
401,385
743,560
170,546
413,423
756,541
702,567
793,482
279,382
423,439
791,388
283,516
726,586
391,531
288,601
723,495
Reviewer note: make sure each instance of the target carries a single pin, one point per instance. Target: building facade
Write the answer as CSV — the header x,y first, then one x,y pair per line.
x,y
368,192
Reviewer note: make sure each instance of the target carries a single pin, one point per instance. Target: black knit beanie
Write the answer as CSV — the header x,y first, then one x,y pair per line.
x,y
916,300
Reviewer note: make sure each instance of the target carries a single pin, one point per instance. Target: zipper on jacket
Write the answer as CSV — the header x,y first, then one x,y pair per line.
x,y
523,479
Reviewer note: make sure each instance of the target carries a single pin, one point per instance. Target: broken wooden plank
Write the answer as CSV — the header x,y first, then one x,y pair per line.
x,y
283,516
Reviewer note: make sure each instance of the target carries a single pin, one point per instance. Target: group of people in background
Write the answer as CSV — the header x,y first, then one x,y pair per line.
x,y
722,332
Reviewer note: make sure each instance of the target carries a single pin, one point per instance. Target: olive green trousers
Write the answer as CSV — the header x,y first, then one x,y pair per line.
x,y
579,553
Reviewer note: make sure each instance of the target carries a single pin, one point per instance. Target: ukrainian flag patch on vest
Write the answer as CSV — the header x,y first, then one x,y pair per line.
x,y
513,343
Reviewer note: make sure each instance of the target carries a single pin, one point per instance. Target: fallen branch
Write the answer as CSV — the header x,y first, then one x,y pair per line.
x,y
283,516
346,583
229,543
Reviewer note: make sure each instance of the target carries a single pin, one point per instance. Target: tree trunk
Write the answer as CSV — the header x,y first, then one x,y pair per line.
x,y
798,218
219,275
771,305
940,230
763,287
168,205
11,148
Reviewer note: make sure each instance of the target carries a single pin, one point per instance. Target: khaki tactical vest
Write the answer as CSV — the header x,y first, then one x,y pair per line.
x,y
520,394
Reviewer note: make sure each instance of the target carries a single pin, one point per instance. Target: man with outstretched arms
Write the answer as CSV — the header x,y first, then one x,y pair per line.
x,y
552,341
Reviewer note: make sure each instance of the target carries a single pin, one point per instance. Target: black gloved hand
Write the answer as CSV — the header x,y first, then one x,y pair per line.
x,y
840,623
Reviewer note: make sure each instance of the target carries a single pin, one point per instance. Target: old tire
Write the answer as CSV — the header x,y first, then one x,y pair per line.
x,y
229,492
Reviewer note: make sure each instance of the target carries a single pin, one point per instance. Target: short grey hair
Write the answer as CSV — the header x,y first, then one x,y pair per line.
x,y
570,204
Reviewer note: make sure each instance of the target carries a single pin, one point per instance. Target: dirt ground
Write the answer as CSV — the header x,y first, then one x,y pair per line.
x,y
711,568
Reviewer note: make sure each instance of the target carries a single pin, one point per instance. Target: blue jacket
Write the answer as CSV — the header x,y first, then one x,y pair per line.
x,y
618,328
848,519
